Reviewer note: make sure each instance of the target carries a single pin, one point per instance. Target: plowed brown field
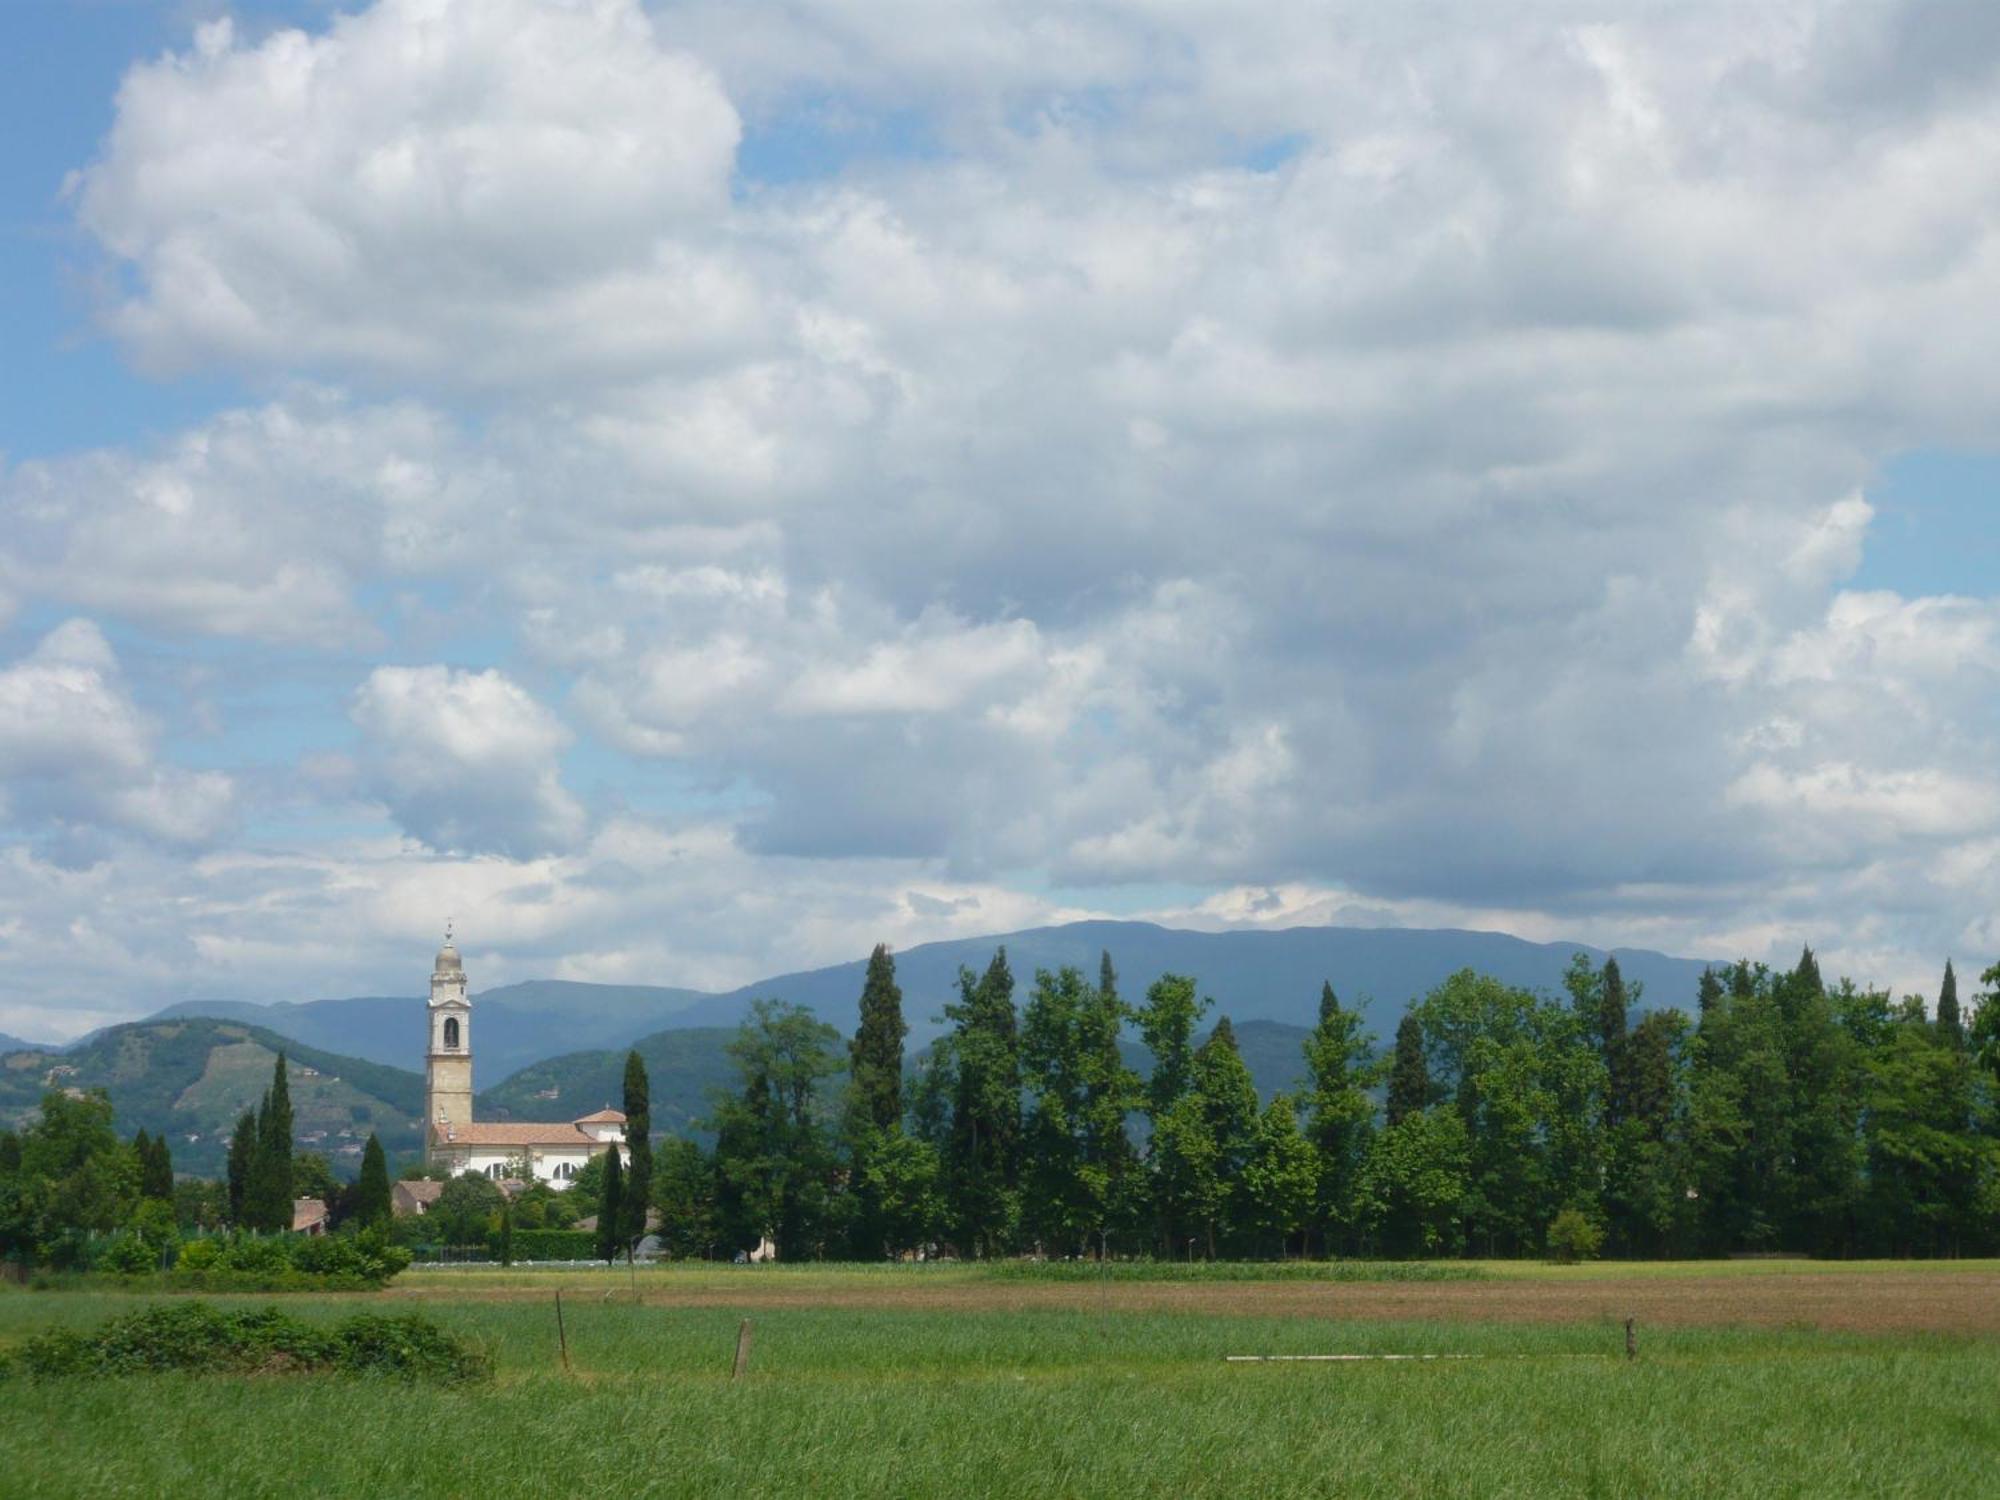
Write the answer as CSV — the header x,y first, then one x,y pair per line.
x,y
1928,1299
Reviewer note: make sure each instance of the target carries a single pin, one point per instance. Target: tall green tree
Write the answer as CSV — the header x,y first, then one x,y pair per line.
x,y
690,1226
611,1208
1409,1075
638,1184
241,1166
1228,1099
876,1054
1167,1022
267,1197
372,1194
1949,1023
1340,1115
1280,1177
983,1161
775,1161
1081,1178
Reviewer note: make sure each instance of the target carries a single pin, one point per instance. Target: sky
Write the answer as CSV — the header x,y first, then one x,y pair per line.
x,y
688,491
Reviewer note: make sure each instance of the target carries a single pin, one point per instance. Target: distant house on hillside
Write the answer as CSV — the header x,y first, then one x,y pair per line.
x,y
309,1216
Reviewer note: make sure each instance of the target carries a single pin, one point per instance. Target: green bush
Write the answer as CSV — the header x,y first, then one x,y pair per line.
x,y
127,1255
284,1263
199,1338
1574,1236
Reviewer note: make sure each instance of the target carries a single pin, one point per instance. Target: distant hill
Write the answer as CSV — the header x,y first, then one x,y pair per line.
x,y
682,1067
15,1044
686,1067
1253,976
190,1079
514,1024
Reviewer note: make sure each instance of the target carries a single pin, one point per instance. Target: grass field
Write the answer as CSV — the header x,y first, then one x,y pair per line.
x,y
1753,1378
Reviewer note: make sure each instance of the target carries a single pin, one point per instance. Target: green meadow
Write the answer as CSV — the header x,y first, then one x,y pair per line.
x,y
952,1381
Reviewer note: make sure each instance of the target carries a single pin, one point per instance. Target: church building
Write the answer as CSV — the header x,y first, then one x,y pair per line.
x,y
551,1153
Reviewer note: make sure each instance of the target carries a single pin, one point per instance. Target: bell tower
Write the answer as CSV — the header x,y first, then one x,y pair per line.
x,y
448,1058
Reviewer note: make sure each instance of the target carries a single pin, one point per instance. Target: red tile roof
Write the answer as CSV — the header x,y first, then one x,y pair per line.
x,y
603,1117
514,1133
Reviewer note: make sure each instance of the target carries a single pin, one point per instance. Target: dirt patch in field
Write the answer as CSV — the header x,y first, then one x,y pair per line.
x,y
1863,1302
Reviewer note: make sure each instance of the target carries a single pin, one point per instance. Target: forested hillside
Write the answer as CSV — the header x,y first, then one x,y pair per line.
x,y
189,1080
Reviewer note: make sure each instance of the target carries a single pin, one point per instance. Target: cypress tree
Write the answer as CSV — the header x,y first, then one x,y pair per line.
x,y
1409,1078
1107,977
10,1153
877,1050
142,1154
1341,1115
1950,1024
637,1188
507,1233
1708,994
984,1147
242,1167
611,1207
372,1203
1807,973
156,1170
1611,1035
268,1200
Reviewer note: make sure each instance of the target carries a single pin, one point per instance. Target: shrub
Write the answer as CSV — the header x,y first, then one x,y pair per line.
x,y
127,1255
1574,1236
200,1338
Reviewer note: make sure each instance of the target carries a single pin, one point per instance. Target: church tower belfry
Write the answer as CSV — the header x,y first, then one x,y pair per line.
x,y
448,1058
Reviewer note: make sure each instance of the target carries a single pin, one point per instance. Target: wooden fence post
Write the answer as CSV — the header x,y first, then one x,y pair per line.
x,y
562,1334
742,1351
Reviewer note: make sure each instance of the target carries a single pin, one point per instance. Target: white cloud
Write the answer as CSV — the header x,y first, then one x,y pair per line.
x,y
1417,458
466,761
78,756
421,172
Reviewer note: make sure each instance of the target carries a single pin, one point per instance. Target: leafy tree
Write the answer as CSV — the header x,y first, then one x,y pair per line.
x,y
1415,1182
1409,1078
372,1202
467,1208
983,1155
1167,1021
1082,1180
1228,1100
1340,1116
312,1177
1187,1184
685,1191
774,1154
637,1188
877,1050
611,1208
75,1179
1281,1176
506,1232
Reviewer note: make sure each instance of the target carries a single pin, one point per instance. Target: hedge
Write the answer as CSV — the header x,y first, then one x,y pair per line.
x,y
547,1244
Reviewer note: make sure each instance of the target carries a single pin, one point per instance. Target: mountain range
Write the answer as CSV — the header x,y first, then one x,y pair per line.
x,y
1252,976
555,1049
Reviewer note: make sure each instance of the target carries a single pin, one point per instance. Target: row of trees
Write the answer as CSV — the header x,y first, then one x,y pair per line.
x,y
1780,1115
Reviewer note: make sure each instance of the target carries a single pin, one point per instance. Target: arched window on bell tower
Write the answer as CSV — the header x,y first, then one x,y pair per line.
x,y
451,1033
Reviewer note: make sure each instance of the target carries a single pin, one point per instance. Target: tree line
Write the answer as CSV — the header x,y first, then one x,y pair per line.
x,y
1779,1115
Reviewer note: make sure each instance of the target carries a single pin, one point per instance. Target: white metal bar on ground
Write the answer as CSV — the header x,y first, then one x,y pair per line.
x,y
1329,1359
